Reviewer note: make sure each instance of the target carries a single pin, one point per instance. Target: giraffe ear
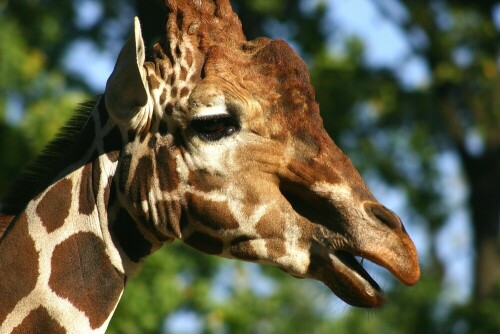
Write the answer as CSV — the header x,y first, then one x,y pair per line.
x,y
126,87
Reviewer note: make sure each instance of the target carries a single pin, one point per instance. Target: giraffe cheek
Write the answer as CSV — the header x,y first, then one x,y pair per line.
x,y
142,182
166,168
168,219
216,215
271,227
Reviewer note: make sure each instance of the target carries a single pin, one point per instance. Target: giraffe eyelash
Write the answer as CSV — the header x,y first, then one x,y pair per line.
x,y
215,127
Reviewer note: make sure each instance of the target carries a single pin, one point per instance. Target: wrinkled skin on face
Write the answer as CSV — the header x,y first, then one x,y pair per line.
x,y
234,161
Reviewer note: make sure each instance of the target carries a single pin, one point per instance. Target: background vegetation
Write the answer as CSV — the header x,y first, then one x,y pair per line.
x,y
419,146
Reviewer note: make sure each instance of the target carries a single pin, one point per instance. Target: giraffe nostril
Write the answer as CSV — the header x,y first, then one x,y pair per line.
x,y
384,215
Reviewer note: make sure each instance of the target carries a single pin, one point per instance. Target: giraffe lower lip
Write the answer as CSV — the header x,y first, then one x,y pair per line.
x,y
351,282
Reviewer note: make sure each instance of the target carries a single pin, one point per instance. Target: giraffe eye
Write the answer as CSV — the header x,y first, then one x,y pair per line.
x,y
213,128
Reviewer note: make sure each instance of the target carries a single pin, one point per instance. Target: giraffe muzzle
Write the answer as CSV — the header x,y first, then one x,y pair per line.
x,y
377,236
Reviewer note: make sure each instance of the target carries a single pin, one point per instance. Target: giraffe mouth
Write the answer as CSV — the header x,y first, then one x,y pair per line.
x,y
347,278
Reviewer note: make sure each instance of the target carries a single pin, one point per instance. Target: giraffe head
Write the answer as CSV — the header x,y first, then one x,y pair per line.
x,y
225,150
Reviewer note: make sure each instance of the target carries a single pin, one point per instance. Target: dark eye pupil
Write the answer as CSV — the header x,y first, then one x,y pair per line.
x,y
212,127
215,127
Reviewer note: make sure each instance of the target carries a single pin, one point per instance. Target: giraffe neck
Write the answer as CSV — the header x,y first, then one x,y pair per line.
x,y
65,246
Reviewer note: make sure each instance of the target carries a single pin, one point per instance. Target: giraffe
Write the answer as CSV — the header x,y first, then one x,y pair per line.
x,y
213,140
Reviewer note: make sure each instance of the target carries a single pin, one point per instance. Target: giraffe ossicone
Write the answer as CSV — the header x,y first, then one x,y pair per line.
x,y
213,140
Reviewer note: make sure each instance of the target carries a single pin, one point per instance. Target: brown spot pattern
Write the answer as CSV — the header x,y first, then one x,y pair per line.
x,y
169,109
168,215
152,142
184,220
189,58
153,82
39,321
271,228
130,238
86,199
313,171
215,215
142,181
18,266
184,92
173,92
113,156
83,273
163,127
206,182
183,74
241,248
178,51
168,177
163,96
205,243
123,172
54,207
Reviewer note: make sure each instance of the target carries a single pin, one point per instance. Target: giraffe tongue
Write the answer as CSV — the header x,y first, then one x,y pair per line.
x,y
351,282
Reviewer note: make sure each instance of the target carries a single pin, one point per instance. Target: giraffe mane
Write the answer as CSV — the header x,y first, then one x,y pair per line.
x,y
36,176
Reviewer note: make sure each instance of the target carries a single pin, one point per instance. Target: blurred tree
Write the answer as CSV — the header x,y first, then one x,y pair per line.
x,y
393,132
461,53
456,112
